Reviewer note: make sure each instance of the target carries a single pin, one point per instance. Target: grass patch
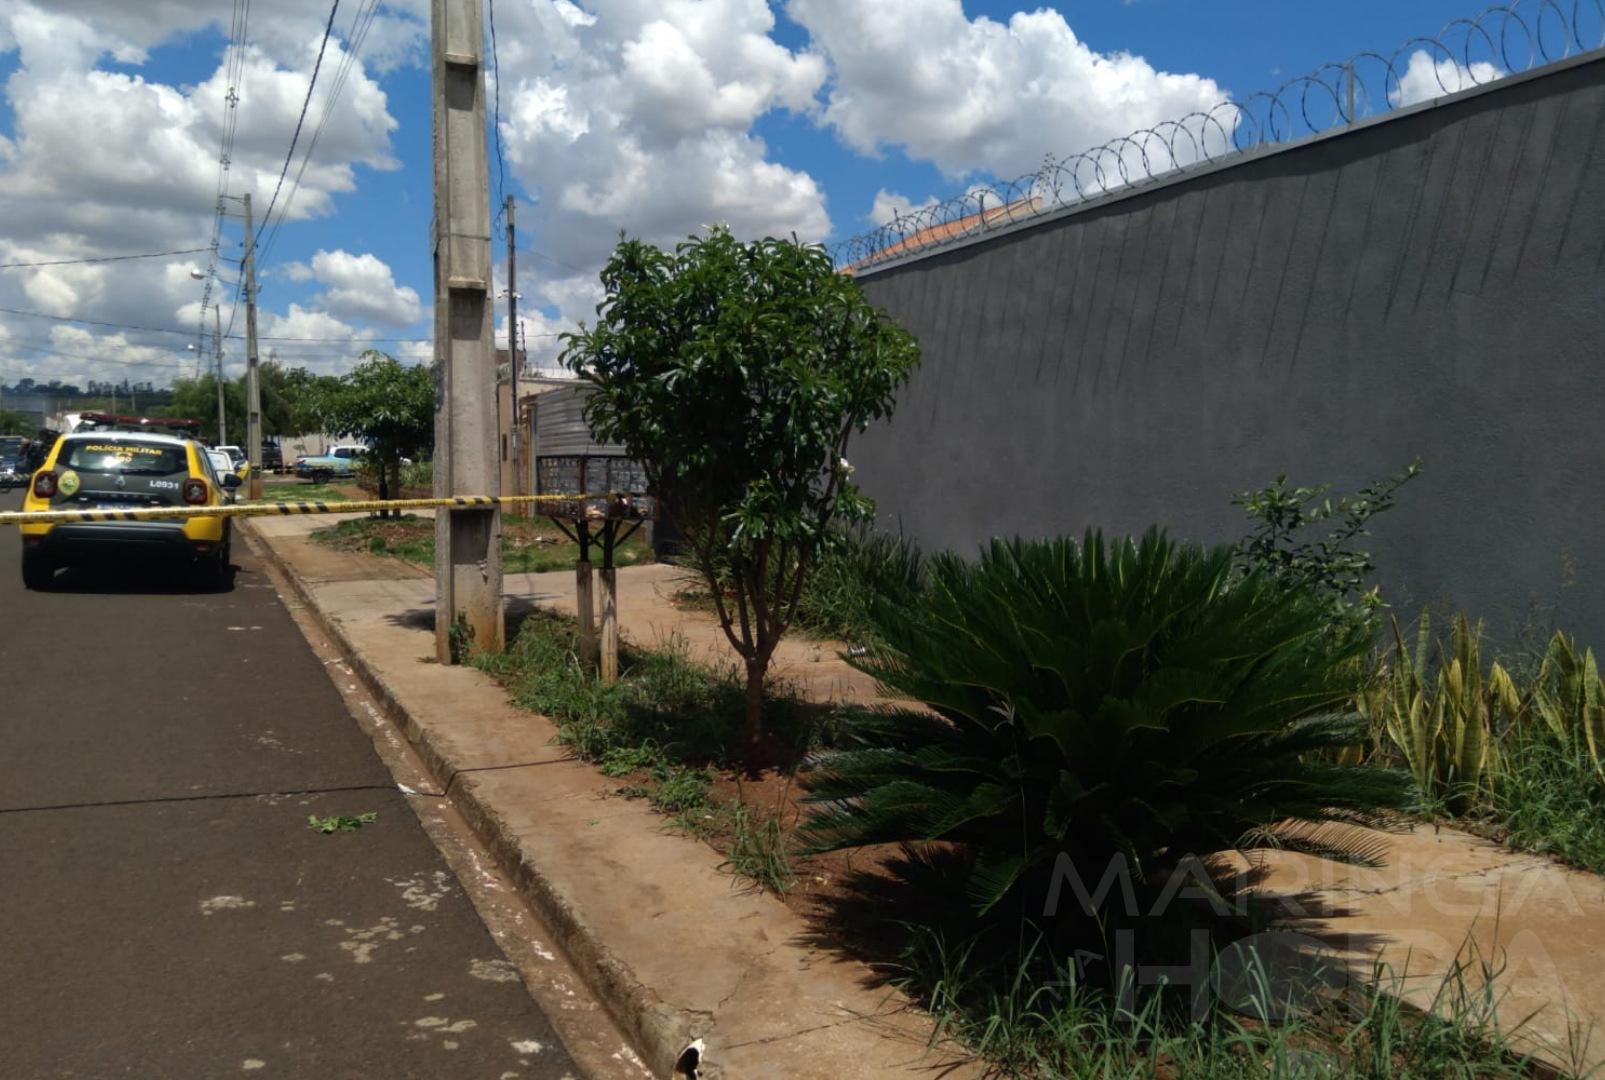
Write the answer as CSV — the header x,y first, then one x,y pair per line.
x,y
664,708
410,539
1033,1018
301,492
664,728
1545,797
529,546
759,851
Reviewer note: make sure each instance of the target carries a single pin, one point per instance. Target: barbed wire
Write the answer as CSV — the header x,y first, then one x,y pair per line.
x,y
1502,40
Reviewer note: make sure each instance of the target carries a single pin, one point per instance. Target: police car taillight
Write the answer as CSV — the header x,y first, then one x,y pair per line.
x,y
195,491
44,485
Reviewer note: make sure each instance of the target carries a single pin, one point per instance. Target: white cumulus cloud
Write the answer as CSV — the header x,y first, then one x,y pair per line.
x,y
105,159
889,205
1426,77
976,94
638,115
360,287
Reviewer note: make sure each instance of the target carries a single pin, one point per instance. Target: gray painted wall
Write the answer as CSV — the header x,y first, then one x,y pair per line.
x,y
1429,286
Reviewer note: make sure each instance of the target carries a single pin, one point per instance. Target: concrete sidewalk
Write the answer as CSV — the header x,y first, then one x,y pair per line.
x,y
676,948
1443,898
701,956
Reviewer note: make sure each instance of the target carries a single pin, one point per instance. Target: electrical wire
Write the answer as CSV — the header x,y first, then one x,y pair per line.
x,y
239,26
187,333
356,37
496,123
122,360
295,136
101,259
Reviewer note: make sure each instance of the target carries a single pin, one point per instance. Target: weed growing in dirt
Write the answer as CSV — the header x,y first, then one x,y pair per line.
x,y
1031,1017
664,706
528,546
662,727
1547,798
302,492
758,851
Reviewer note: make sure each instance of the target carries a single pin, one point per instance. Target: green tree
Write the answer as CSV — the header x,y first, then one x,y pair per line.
x,y
390,406
306,396
13,422
736,373
196,399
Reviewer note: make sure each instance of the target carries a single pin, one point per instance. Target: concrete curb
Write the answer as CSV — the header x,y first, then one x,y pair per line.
x,y
657,1030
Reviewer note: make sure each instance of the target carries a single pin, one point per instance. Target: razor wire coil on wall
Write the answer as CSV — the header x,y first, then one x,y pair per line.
x,y
1500,41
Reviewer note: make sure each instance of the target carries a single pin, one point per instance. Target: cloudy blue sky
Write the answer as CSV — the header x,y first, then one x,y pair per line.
x,y
818,117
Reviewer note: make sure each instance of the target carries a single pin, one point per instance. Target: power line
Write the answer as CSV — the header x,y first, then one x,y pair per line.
x,y
295,136
102,259
125,361
356,36
235,79
554,259
496,122
114,346
95,322
186,333
353,341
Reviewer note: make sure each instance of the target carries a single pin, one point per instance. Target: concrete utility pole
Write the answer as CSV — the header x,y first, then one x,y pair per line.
x,y
217,348
468,563
512,343
253,390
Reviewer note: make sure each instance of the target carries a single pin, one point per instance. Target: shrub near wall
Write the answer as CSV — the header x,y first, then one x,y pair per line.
x,y
1130,700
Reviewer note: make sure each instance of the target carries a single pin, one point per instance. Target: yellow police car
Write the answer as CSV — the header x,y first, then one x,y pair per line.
x,y
120,463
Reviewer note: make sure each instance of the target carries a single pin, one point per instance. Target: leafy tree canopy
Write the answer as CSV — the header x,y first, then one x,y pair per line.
x,y
388,405
736,373
13,422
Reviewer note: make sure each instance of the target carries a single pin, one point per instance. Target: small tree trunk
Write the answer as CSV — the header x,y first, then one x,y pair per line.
x,y
755,708
384,490
755,673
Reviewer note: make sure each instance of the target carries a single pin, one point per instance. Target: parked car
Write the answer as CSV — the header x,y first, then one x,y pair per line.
x,y
223,466
340,462
242,464
111,469
272,457
13,471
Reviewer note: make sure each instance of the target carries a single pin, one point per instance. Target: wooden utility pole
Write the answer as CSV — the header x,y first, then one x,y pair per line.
x,y
512,344
468,565
253,389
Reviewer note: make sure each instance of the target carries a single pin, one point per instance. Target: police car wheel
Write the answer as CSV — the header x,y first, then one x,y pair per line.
x,y
37,571
210,571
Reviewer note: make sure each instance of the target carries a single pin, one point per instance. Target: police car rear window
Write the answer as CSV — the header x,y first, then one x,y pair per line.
x,y
127,458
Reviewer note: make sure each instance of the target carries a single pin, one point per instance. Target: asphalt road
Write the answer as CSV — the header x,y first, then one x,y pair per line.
x,y
165,909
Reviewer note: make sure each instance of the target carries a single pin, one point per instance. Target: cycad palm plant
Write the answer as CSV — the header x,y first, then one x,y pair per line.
x,y
1130,698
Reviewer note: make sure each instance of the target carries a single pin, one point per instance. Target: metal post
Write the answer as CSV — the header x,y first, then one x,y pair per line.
x,y
468,566
217,347
512,340
253,389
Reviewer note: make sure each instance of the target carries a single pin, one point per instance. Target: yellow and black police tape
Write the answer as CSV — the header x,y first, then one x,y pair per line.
x,y
274,509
